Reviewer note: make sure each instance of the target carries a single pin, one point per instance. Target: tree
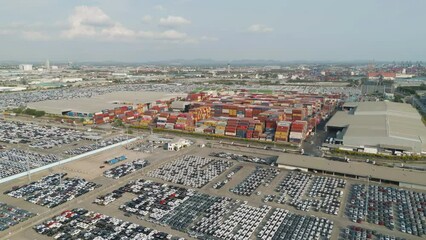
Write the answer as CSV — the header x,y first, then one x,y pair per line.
x,y
118,123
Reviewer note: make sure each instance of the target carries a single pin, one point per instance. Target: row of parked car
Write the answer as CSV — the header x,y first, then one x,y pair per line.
x,y
14,161
97,145
209,223
17,99
258,177
154,200
283,224
388,206
245,158
220,184
305,191
38,136
358,233
10,216
192,171
80,223
205,216
191,208
242,223
52,190
108,198
125,169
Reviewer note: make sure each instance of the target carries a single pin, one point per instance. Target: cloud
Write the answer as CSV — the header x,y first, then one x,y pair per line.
x,y
147,19
7,32
210,39
88,22
159,8
173,21
259,28
93,23
26,34
35,36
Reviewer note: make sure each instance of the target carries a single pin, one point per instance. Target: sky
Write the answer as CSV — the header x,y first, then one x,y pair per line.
x,y
224,30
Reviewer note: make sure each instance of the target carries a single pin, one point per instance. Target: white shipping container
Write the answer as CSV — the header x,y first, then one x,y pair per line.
x,y
284,123
297,135
221,132
370,150
222,123
225,110
199,130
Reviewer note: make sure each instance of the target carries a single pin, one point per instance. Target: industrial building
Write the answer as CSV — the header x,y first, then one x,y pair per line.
x,y
378,87
379,127
177,145
26,67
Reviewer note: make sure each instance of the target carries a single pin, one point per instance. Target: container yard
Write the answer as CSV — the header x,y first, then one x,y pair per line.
x,y
285,117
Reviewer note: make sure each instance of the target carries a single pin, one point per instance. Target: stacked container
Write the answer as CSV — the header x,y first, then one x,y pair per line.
x,y
298,131
283,131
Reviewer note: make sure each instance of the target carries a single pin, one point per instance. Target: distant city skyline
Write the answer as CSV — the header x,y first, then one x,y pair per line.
x,y
149,31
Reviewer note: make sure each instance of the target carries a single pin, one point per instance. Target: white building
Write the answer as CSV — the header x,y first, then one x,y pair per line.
x,y
26,67
177,145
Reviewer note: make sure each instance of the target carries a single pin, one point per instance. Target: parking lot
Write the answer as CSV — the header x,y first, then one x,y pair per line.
x,y
221,203
308,192
81,223
40,136
246,158
258,177
23,98
283,224
52,190
125,169
355,233
192,171
15,161
96,145
388,206
10,216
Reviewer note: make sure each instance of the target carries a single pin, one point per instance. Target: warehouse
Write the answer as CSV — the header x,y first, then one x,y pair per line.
x,y
379,127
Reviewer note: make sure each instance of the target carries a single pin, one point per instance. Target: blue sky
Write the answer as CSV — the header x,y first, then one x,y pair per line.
x,y
147,30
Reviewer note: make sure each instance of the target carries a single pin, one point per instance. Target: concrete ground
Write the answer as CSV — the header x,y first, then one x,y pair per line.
x,y
88,168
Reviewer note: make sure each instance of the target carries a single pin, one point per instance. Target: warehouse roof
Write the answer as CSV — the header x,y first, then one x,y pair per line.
x,y
179,104
382,123
354,168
